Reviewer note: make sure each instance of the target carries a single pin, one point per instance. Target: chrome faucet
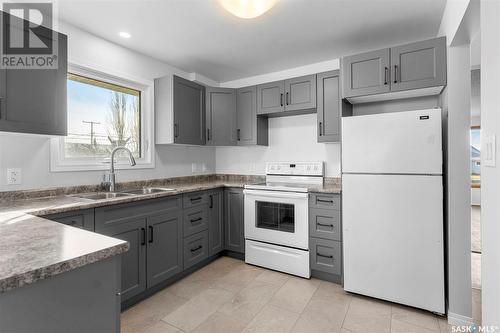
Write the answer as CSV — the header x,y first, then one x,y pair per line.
x,y
111,177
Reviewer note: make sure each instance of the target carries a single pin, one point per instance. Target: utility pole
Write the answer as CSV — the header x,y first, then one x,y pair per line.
x,y
92,123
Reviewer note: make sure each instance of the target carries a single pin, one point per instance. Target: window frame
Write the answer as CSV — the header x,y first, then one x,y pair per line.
x,y
475,185
58,161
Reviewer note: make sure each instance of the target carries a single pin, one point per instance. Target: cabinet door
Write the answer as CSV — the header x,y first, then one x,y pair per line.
x,y
233,222
221,117
329,107
271,97
133,270
246,116
419,65
215,222
45,111
366,73
189,112
164,245
300,93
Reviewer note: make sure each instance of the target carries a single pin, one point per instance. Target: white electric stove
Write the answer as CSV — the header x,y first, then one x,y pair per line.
x,y
277,217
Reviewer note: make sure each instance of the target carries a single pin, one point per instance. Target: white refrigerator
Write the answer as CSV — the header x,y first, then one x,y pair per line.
x,y
392,207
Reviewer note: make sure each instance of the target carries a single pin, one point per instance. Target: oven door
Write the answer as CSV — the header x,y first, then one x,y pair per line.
x,y
277,217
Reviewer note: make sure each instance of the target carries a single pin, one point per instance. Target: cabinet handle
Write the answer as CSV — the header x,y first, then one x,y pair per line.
x,y
197,248
196,220
150,234
211,201
287,99
195,199
395,73
176,130
325,201
324,255
208,134
325,225
281,99
320,129
238,134
386,75
143,237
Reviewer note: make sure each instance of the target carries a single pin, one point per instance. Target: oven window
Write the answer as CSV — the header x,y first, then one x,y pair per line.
x,y
275,216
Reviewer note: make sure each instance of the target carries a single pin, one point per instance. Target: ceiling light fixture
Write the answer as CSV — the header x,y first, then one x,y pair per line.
x,y
247,9
124,34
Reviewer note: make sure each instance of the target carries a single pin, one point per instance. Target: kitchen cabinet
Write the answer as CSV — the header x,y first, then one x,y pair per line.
x,y
294,94
329,106
195,219
215,222
164,247
419,65
195,249
83,219
221,116
251,129
326,256
234,220
417,69
45,111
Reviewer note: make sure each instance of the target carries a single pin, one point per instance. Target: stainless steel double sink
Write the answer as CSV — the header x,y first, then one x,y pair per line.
x,y
124,193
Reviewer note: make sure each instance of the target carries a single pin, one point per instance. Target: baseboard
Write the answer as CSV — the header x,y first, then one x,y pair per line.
x,y
459,320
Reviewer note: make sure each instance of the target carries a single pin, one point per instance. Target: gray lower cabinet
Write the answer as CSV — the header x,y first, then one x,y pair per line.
x,y
326,256
164,247
270,97
83,219
215,222
133,268
195,249
189,112
366,73
221,116
251,129
300,93
195,219
45,111
419,65
329,106
234,237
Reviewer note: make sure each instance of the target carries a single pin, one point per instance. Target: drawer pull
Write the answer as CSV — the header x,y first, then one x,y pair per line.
x,y
197,248
324,255
325,201
211,201
196,220
195,199
325,225
143,237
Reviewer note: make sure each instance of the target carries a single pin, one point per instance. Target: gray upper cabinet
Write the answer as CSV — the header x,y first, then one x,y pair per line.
x,y
329,106
366,73
215,222
164,247
45,111
419,65
270,97
251,129
234,226
189,112
221,116
300,93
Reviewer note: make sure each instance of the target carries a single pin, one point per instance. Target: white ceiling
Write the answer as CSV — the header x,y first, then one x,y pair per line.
x,y
199,36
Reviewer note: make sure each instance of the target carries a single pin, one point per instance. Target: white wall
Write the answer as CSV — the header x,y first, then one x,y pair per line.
x,y
490,176
31,152
290,139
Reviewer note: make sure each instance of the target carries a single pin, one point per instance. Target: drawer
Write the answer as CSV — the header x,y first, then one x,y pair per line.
x,y
325,223
195,248
194,199
324,200
195,220
326,255
83,219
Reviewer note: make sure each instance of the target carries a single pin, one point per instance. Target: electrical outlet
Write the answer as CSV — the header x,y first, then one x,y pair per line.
x,y
14,176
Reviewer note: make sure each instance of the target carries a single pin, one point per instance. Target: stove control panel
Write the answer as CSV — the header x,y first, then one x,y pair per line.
x,y
295,168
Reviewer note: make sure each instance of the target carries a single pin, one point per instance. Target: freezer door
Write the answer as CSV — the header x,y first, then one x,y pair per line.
x,y
393,143
393,238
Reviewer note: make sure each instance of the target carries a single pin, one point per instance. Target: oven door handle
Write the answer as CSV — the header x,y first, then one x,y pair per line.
x,y
276,194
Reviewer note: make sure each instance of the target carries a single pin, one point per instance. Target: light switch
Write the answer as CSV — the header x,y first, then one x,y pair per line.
x,y
14,176
489,153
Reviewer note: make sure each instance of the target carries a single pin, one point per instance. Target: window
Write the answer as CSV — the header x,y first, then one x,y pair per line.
x,y
104,112
475,156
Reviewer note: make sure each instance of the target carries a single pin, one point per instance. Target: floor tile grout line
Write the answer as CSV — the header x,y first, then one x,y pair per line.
x,y
305,307
180,329
345,316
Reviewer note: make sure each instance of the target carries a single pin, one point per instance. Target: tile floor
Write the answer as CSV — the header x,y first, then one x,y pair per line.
x,y
230,296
